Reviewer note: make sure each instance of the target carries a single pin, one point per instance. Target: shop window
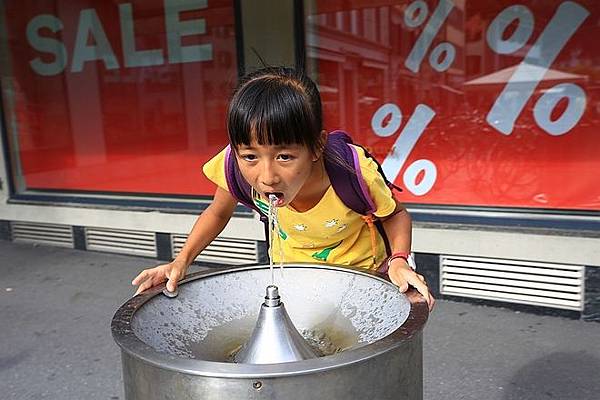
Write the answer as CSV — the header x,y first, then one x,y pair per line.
x,y
116,97
474,103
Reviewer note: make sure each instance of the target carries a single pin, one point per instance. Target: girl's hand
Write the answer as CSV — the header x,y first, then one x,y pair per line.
x,y
172,272
402,275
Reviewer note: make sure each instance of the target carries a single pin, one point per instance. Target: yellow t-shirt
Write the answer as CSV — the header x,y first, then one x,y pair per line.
x,y
329,232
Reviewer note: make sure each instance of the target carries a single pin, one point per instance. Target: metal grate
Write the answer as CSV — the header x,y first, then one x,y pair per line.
x,y
524,282
51,234
225,251
121,241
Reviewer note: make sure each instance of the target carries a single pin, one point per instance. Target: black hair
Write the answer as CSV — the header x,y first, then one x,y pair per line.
x,y
276,106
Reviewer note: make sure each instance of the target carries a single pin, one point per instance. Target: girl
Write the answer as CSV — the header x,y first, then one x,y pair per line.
x,y
275,132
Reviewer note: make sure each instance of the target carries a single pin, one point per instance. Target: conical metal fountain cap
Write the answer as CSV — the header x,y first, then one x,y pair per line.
x,y
275,338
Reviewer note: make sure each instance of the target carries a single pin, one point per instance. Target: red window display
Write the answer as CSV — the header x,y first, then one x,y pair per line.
x,y
121,96
481,103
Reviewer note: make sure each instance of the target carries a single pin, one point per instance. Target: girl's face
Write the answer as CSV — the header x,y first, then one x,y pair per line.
x,y
280,170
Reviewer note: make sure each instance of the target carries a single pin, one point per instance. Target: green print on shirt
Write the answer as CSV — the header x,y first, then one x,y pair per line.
x,y
264,207
323,254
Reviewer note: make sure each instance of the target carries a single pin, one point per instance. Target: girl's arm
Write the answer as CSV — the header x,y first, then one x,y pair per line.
x,y
398,228
208,225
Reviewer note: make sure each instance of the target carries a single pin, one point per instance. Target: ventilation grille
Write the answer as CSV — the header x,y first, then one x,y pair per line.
x,y
121,241
540,284
224,251
55,235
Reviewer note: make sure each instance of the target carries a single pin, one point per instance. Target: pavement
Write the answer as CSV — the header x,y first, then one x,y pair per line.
x,y
56,306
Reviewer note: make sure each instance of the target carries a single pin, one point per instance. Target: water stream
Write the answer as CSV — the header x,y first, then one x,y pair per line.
x,y
274,230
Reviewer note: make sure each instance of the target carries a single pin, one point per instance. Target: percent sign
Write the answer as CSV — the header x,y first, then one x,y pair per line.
x,y
405,142
520,87
442,56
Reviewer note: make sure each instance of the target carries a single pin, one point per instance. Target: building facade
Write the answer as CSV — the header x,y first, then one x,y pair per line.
x,y
486,113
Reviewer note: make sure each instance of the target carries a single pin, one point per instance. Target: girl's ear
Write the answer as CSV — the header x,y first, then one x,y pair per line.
x,y
322,141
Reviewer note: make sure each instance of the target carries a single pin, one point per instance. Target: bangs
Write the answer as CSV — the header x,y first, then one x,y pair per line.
x,y
272,111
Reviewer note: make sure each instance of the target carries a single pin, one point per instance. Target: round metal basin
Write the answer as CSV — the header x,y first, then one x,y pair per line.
x,y
179,348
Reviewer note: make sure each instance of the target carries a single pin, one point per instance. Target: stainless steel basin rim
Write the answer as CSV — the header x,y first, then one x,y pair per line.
x,y
126,338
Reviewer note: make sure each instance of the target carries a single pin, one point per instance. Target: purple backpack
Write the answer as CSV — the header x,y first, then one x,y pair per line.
x,y
349,185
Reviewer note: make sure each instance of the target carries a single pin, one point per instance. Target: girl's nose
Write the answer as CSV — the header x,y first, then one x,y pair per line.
x,y
269,176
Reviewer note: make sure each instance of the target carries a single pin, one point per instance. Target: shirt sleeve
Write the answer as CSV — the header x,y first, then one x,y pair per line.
x,y
214,169
381,194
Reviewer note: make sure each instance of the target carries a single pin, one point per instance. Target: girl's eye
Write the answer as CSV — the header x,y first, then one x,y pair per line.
x,y
285,157
248,157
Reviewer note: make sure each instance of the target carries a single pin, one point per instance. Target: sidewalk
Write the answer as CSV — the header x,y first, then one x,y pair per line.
x,y
56,307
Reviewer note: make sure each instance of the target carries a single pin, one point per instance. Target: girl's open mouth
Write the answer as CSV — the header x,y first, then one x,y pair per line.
x,y
276,198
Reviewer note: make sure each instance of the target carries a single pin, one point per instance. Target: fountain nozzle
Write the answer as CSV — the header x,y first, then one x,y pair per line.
x,y
272,298
275,338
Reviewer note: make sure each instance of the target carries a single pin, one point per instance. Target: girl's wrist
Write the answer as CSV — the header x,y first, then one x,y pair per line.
x,y
392,261
399,263
400,258
181,259
399,254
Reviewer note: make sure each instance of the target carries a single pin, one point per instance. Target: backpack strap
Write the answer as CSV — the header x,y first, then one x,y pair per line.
x,y
347,180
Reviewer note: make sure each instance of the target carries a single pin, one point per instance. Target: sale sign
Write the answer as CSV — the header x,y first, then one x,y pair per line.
x,y
120,96
479,103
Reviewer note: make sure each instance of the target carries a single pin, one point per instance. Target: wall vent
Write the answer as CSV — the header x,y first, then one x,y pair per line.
x,y
51,234
524,282
223,251
121,241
